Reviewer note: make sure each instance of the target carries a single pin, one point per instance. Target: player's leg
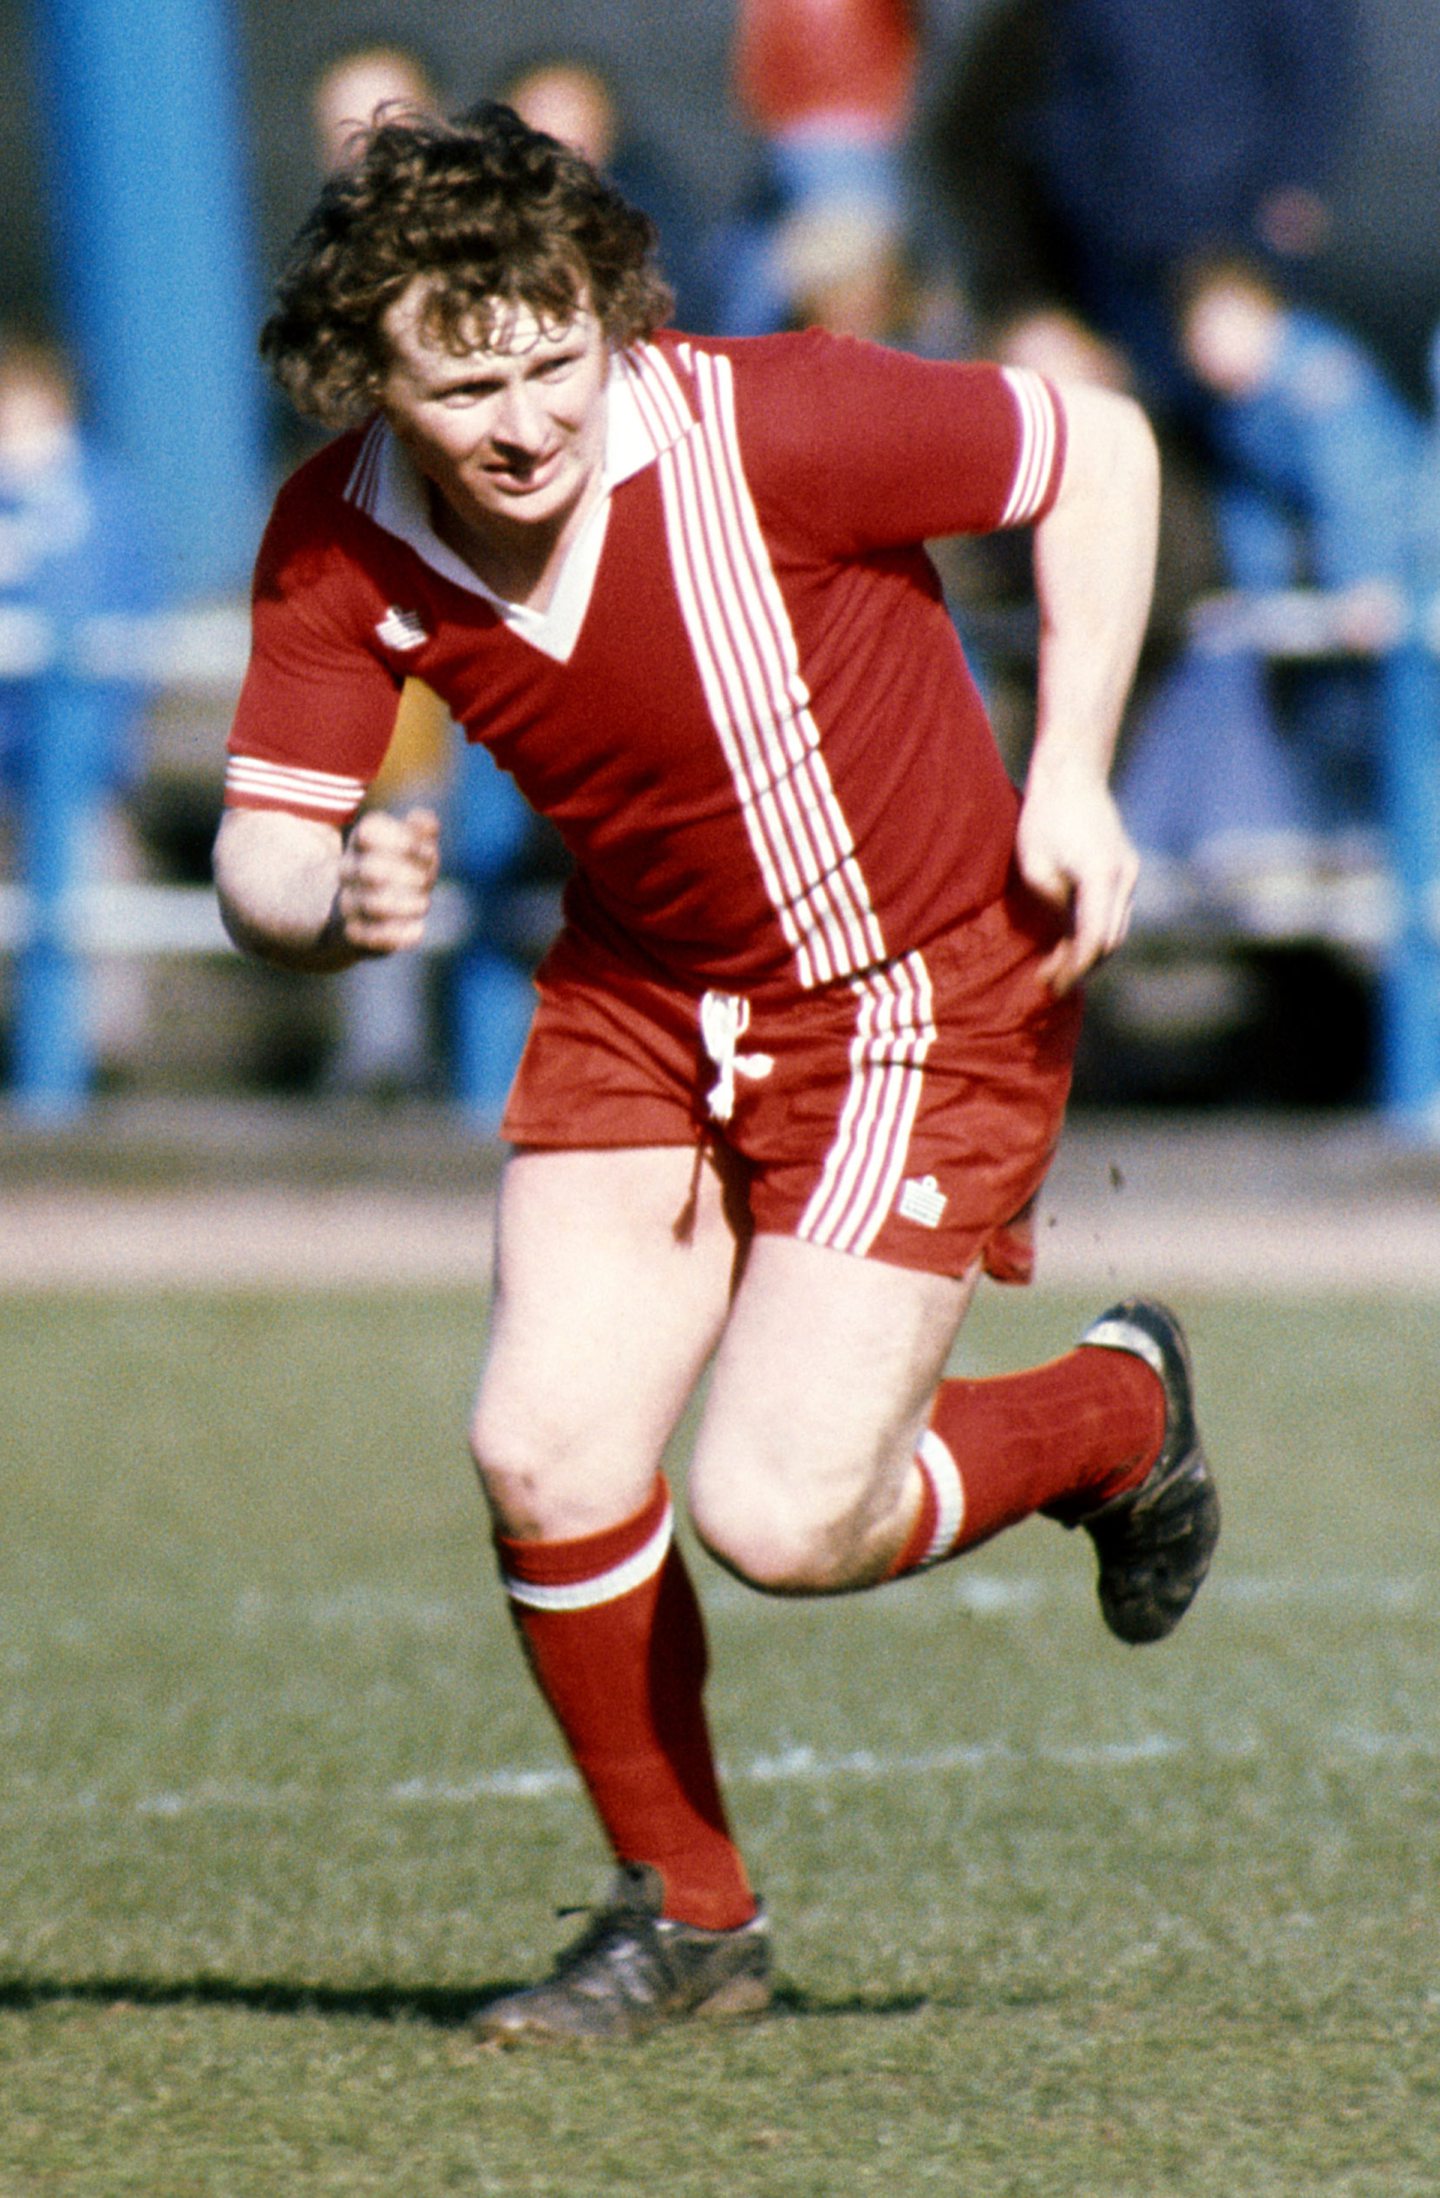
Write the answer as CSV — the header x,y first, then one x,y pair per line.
x,y
614,1274
832,1455
615,1271
803,1475
1104,1438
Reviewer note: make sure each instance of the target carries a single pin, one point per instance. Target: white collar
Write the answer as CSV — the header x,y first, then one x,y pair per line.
x,y
389,487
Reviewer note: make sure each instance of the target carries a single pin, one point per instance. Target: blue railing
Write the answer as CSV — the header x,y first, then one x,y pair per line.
x,y
58,923
1398,927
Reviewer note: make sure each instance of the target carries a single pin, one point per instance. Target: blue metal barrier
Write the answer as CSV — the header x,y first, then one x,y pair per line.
x,y
491,1003
1410,969
485,826
61,794
60,925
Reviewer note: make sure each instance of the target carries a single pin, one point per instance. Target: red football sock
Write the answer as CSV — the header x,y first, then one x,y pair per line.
x,y
1060,1438
614,1635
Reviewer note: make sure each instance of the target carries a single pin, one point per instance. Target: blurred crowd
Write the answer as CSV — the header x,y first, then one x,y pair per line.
x,y
1135,192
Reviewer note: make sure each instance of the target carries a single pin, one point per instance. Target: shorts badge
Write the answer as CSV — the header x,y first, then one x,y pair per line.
x,y
922,1200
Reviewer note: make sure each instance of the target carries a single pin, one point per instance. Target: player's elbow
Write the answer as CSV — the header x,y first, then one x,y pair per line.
x,y
275,879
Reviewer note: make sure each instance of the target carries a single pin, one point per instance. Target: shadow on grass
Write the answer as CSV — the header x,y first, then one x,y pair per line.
x,y
445,2009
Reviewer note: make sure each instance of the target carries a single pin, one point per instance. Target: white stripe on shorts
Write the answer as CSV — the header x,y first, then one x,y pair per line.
x,y
894,1031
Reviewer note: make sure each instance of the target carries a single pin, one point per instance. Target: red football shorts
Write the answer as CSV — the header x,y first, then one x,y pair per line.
x,y
907,1114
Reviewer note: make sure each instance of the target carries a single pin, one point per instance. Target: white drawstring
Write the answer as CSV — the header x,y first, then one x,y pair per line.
x,y
724,1019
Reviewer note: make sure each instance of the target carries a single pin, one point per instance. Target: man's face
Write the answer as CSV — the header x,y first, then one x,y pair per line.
x,y
511,432
1230,334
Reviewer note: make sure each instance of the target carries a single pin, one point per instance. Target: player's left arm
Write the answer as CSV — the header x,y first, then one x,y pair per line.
x,y
1094,555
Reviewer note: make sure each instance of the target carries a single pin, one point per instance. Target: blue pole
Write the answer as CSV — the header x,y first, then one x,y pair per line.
x,y
1410,979
51,1069
491,1003
140,108
491,999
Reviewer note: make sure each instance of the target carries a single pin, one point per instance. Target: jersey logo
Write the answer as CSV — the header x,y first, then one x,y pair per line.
x,y
402,629
922,1200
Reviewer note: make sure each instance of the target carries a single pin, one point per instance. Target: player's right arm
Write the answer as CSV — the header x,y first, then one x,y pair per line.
x,y
303,880
306,896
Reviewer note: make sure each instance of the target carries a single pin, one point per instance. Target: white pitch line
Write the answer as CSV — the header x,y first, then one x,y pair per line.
x,y
798,1766
40,1631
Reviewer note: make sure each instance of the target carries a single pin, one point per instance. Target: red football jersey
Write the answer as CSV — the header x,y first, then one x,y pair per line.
x,y
746,709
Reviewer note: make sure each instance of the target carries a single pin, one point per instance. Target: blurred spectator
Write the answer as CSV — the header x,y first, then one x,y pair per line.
x,y
354,86
1051,340
75,542
1091,146
1316,450
392,1026
828,88
571,97
830,84
1003,230
1315,457
988,578
842,265
385,1042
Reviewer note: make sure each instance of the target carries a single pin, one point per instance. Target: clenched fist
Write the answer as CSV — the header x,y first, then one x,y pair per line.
x,y
387,877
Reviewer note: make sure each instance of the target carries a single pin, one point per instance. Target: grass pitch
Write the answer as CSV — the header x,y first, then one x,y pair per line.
x,y
1053,1916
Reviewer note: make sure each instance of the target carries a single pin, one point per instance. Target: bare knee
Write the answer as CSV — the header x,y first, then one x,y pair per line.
x,y
775,1542
537,1477
551,1479
512,1470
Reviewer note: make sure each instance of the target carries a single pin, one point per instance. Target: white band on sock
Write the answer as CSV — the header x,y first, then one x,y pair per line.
x,y
606,1587
936,1461
1126,1335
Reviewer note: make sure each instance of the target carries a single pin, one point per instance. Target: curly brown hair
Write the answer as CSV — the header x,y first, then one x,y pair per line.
x,y
493,214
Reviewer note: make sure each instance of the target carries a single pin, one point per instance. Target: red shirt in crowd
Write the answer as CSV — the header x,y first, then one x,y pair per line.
x,y
799,63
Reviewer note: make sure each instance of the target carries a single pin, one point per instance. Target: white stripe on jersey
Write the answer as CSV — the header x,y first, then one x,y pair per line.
x,y
658,396
749,665
287,783
606,1587
365,473
894,1031
1039,437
